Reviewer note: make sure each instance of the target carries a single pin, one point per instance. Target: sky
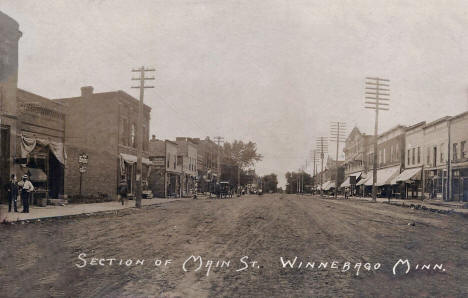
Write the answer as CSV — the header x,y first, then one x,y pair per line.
x,y
273,72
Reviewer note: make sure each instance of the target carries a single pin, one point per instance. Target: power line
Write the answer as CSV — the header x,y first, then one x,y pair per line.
x,y
376,95
142,70
322,147
337,132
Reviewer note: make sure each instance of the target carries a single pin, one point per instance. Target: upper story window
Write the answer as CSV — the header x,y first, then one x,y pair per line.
x,y
132,136
463,150
455,151
428,156
124,131
409,155
413,156
442,153
419,155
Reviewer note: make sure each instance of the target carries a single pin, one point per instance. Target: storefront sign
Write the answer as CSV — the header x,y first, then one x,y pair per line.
x,y
83,159
159,161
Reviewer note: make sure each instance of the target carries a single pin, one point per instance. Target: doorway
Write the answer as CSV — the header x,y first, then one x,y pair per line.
x,y
4,161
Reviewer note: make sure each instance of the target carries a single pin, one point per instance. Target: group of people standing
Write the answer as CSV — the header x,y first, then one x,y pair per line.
x,y
22,188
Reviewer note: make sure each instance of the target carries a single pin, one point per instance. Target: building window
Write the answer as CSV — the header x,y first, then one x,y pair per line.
x,y
455,149
132,136
442,153
409,156
383,155
428,157
124,131
168,158
462,150
413,156
419,155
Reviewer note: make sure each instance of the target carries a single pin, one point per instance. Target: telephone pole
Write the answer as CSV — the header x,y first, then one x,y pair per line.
x,y
337,133
219,140
142,87
322,148
377,90
316,160
302,183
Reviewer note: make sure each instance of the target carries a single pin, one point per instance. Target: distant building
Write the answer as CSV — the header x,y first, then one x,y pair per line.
x,y
390,162
187,151
356,162
328,179
208,163
166,172
104,126
410,179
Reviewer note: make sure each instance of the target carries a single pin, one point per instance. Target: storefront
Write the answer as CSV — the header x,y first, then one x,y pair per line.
x,y
128,170
386,184
460,184
44,164
351,182
410,183
4,160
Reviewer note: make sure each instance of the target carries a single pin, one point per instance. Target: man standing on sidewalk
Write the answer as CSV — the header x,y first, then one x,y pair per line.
x,y
12,188
26,189
123,189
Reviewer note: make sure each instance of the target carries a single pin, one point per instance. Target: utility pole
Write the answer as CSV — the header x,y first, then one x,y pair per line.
x,y
302,183
142,87
219,140
377,90
322,148
314,174
337,133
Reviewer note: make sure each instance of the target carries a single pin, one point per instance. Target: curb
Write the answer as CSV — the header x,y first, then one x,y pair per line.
x,y
124,211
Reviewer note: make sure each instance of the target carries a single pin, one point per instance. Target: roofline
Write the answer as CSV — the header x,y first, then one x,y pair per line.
x,y
417,125
460,115
169,141
437,121
122,93
392,129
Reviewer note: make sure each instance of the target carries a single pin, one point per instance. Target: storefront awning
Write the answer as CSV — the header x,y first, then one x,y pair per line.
x,y
328,185
131,159
347,182
363,180
29,143
409,174
384,176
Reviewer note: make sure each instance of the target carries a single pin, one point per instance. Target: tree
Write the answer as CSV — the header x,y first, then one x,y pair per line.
x,y
292,178
241,156
270,183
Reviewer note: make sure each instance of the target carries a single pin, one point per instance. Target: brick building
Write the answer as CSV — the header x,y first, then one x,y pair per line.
x,y
9,38
356,162
446,158
411,177
459,157
166,172
390,162
208,163
187,153
41,138
104,127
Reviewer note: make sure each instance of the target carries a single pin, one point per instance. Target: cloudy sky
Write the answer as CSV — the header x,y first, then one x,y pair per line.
x,y
274,72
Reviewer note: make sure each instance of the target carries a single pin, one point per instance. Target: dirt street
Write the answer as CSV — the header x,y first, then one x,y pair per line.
x,y
43,259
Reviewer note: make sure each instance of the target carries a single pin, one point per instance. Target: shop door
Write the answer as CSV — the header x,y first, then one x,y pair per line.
x,y
4,161
464,183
